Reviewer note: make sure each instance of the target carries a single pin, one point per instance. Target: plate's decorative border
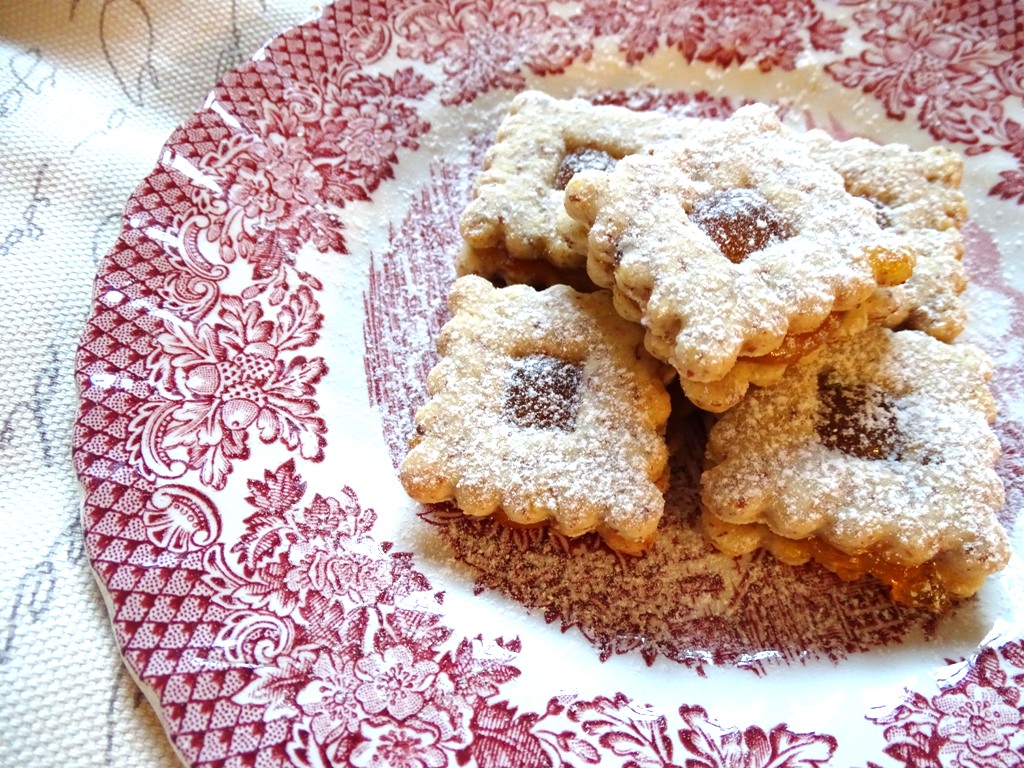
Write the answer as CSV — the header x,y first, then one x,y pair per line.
x,y
976,722
308,641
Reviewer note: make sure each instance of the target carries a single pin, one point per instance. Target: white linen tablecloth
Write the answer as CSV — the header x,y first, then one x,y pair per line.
x,y
89,92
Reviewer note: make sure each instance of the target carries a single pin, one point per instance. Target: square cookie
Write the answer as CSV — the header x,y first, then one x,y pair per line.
x,y
542,142
729,243
544,408
876,457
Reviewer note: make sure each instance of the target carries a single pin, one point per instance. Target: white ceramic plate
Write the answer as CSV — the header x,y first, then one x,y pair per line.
x,y
261,335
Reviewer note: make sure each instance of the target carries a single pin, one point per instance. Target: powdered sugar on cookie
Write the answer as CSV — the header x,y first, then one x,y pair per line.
x,y
736,252
543,141
877,457
706,294
544,408
916,193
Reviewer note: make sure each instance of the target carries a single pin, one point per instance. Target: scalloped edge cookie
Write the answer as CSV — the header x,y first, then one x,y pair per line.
x,y
517,204
701,310
605,470
920,515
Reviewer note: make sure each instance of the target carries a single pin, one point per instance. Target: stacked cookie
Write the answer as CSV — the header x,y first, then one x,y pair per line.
x,y
728,253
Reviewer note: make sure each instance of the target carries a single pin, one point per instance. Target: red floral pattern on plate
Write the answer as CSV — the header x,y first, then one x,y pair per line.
x,y
213,381
702,608
769,33
284,629
279,183
953,66
978,722
220,369
487,44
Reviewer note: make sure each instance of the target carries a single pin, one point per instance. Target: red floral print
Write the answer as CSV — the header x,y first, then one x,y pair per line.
x,y
266,192
978,719
330,697
716,747
976,722
214,382
948,65
393,682
390,745
769,33
396,702
917,62
519,37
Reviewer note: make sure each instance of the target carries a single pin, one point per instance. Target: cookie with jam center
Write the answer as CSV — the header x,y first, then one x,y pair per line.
x,y
545,408
876,457
541,144
725,244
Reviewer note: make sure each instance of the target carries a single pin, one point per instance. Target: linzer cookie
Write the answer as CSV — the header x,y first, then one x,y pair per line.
x,y
874,458
916,193
544,408
726,244
541,144
516,229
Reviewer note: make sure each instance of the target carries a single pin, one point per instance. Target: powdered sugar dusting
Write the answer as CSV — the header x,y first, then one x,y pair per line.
x,y
683,600
702,311
699,608
596,468
517,199
932,497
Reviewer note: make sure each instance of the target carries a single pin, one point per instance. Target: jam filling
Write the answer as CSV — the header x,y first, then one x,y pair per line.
x,y
543,392
739,222
582,159
919,586
797,346
858,420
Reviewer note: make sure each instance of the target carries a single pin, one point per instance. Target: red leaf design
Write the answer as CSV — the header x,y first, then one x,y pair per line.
x,y
912,755
717,747
184,346
1011,187
280,490
1014,653
277,685
475,674
502,739
243,323
297,380
799,750
581,748
411,84
352,632
298,321
421,631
